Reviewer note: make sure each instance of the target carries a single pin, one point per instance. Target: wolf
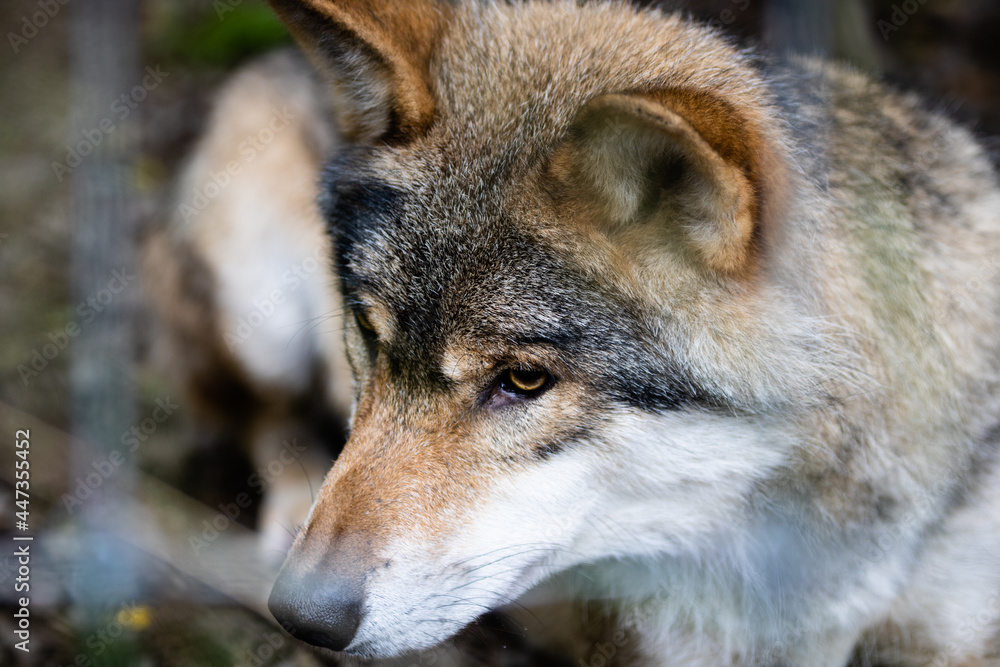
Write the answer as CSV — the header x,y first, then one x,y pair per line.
x,y
705,341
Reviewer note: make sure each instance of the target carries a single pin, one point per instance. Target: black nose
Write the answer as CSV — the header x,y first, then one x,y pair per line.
x,y
319,609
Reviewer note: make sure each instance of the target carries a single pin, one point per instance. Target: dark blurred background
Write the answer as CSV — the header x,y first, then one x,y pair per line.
x,y
116,587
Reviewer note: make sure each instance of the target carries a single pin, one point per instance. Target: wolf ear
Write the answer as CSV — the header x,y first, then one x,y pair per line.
x,y
377,55
670,167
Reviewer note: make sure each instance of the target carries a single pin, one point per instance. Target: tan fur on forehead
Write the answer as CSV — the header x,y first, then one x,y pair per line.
x,y
498,72
515,106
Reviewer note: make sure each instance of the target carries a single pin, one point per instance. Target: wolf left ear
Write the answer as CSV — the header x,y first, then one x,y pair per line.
x,y
686,167
377,54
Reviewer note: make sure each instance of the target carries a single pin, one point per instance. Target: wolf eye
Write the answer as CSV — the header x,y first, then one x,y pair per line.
x,y
363,321
525,383
368,332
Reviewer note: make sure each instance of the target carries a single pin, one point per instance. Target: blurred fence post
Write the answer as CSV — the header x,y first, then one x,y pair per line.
x,y
104,67
825,28
800,26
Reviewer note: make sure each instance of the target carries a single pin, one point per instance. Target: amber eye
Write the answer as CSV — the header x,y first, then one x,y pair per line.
x,y
364,322
527,383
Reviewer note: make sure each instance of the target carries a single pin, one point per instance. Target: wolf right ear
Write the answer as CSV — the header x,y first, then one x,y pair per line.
x,y
377,55
673,168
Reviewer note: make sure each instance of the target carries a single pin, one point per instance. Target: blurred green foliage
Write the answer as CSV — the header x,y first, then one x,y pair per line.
x,y
216,35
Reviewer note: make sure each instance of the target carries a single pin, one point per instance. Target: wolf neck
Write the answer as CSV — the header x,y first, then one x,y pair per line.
x,y
753,585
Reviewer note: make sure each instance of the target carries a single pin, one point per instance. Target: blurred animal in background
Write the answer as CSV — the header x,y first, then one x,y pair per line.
x,y
711,339
247,317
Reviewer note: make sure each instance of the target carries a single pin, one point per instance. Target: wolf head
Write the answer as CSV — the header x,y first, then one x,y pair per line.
x,y
553,227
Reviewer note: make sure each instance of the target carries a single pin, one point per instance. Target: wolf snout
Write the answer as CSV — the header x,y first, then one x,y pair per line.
x,y
322,609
